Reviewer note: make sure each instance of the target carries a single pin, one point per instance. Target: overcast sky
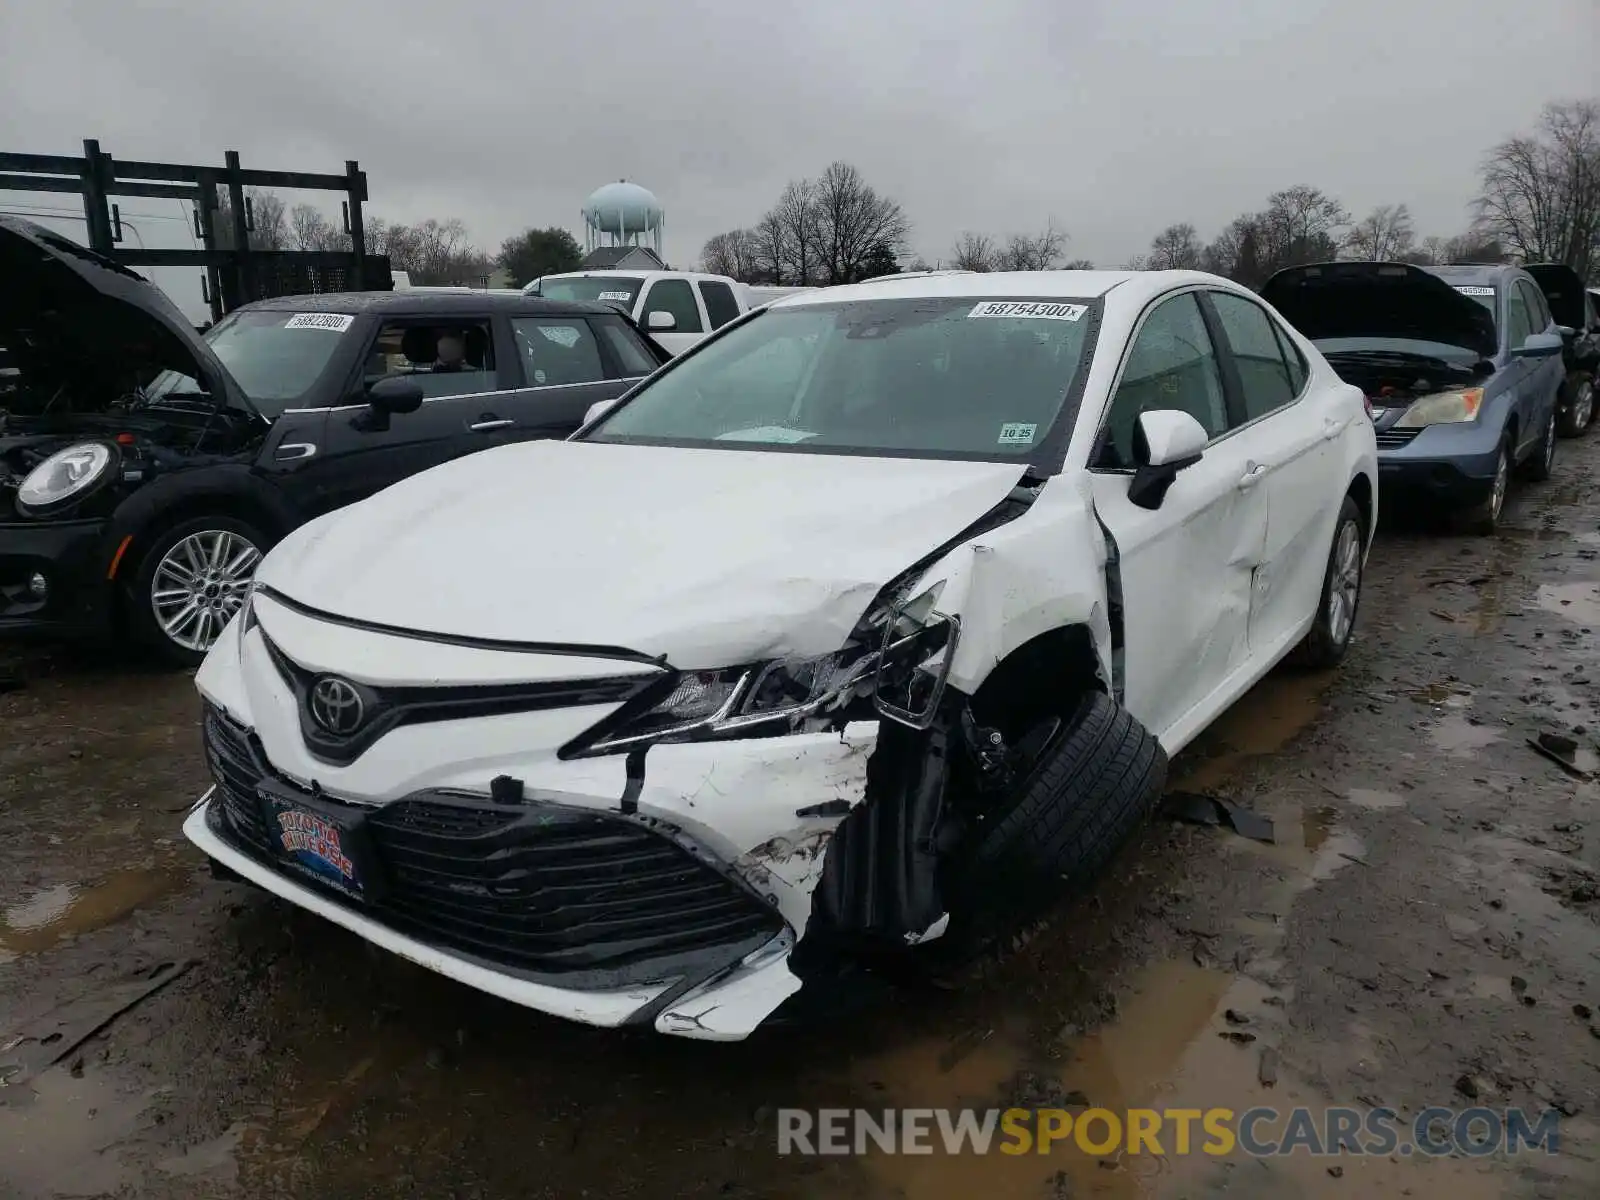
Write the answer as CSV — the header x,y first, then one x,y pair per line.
x,y
1112,117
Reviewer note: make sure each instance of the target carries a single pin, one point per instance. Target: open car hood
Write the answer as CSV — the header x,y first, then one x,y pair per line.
x,y
1563,289
1379,300
713,558
72,318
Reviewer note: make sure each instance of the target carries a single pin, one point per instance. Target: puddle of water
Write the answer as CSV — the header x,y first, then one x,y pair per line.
x,y
1456,735
62,1134
1315,826
1578,602
1370,798
1264,720
45,918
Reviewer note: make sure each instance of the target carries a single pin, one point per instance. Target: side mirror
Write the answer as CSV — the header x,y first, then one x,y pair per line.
x,y
1165,441
1539,345
395,394
599,409
661,322
1566,332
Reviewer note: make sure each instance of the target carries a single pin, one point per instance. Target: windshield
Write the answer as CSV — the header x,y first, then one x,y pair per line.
x,y
1483,294
275,357
620,290
933,377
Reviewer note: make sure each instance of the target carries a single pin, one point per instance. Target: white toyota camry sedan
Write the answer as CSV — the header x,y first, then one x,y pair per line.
x,y
859,633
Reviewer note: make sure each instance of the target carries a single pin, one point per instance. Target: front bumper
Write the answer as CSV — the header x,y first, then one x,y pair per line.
x,y
1452,465
679,914
69,556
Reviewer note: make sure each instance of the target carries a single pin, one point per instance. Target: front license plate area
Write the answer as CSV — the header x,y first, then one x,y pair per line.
x,y
326,840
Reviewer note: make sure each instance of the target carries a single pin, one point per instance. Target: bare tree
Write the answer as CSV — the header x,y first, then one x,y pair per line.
x,y
735,254
310,229
854,224
267,228
1077,264
1233,251
1541,193
973,252
1300,224
431,251
797,237
1175,248
1032,252
1383,235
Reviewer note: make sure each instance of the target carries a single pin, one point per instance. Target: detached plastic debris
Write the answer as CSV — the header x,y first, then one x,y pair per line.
x,y
1197,808
1561,750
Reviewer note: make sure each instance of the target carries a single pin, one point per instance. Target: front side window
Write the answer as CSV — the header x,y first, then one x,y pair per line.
x,y
1171,364
447,358
673,296
1537,309
1257,355
557,351
633,356
275,357
944,377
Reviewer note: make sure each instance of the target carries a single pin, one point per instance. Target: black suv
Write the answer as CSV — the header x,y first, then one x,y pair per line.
x,y
144,470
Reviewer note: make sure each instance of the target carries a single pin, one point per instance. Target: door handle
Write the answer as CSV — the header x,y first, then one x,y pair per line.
x,y
488,423
294,451
1253,476
1332,427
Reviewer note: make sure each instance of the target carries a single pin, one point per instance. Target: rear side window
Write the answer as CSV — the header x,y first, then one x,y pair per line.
x,y
1537,307
632,355
673,296
1257,354
1293,359
721,307
1519,320
557,350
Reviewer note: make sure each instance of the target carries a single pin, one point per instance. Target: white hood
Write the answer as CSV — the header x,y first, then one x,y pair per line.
x,y
711,557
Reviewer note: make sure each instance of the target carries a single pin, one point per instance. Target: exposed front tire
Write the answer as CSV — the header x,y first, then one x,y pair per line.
x,y
190,582
1089,789
1329,637
1483,518
1578,413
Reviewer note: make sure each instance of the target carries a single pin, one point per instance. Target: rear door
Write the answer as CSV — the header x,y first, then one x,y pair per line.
x,y
1185,567
720,303
1292,436
564,365
676,297
1548,373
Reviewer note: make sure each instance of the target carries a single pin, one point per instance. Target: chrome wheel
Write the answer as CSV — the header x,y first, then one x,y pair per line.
x,y
1497,493
199,584
1583,407
1344,583
1549,449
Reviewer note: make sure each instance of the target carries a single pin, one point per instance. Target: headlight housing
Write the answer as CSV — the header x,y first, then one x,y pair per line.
x,y
66,475
1442,408
899,654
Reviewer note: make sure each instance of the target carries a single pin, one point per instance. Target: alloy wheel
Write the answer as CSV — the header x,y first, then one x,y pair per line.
x,y
1497,494
1583,407
1344,588
199,584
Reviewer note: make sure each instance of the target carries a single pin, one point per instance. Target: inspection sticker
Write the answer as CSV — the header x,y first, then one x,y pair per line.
x,y
623,296
1475,290
1017,434
332,322
1028,308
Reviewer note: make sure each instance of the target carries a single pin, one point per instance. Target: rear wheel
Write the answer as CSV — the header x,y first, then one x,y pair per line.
x,y
1483,518
1542,464
1335,622
190,583
1579,411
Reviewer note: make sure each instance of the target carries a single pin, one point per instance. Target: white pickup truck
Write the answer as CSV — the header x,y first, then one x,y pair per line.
x,y
677,308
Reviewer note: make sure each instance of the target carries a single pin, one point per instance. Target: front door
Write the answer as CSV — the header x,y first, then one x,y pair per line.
x,y
1185,568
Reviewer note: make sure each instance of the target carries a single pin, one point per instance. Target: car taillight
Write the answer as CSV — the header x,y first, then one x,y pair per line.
x,y
1367,400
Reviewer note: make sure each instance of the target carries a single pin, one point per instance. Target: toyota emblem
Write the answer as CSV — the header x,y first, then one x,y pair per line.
x,y
337,706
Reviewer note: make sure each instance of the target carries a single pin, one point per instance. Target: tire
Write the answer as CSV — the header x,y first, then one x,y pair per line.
x,y
155,603
1541,464
1483,518
1089,790
1579,412
1325,643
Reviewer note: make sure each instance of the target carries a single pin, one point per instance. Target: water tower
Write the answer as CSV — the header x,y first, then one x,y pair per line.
x,y
622,214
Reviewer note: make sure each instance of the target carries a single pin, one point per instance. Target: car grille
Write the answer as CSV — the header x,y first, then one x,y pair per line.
x,y
542,890
1390,438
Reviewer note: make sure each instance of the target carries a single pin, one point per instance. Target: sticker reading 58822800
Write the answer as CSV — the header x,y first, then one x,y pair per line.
x,y
1038,310
332,322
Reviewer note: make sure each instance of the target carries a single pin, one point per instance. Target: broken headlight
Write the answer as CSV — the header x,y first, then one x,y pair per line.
x,y
918,645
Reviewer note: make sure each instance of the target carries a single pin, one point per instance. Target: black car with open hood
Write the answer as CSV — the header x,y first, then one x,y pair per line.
x,y
144,469
1379,300
1576,311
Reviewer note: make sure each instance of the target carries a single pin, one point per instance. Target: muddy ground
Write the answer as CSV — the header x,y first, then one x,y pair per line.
x,y
1425,922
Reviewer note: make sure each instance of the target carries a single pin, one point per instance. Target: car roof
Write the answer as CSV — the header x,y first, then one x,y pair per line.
x,y
405,304
1081,285
1484,273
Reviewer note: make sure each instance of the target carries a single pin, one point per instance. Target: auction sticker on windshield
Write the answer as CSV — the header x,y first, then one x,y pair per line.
x,y
1038,310
1017,433
616,296
1475,290
332,322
